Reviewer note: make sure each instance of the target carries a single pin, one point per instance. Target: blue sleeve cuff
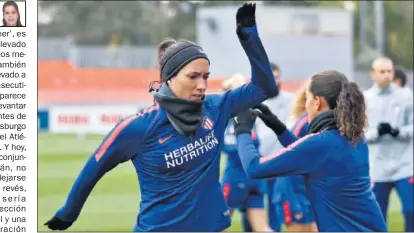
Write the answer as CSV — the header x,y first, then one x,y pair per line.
x,y
287,138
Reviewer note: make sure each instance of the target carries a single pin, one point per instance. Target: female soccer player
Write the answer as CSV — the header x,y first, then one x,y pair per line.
x,y
175,145
333,157
292,205
241,193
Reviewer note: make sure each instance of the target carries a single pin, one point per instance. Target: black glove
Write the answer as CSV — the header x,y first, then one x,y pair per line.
x,y
245,17
394,132
57,224
384,128
244,121
270,119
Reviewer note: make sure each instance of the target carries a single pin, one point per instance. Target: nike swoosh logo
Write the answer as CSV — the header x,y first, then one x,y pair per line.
x,y
162,140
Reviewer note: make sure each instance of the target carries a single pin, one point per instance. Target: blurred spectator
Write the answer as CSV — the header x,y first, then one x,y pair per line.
x,y
390,138
400,79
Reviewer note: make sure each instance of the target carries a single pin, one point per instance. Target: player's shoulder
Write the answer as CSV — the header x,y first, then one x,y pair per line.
x,y
334,139
141,121
215,99
323,141
308,141
303,118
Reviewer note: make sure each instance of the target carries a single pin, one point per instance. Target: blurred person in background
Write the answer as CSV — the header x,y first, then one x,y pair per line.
x,y
289,195
390,136
240,192
11,15
175,145
400,79
269,144
333,157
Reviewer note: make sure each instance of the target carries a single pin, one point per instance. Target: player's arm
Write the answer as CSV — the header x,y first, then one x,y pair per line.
x,y
120,145
285,136
263,84
301,157
288,137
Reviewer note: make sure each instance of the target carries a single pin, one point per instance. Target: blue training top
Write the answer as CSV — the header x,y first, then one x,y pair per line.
x,y
285,187
234,172
336,174
178,176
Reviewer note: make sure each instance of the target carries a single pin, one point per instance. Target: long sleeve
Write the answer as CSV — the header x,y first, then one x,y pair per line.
x,y
287,138
406,132
262,85
372,135
120,145
301,157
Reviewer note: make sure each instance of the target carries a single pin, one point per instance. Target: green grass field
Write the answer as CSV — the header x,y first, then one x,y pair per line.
x,y
113,204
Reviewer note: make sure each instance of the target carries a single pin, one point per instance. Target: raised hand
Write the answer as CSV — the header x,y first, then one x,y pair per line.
x,y
245,17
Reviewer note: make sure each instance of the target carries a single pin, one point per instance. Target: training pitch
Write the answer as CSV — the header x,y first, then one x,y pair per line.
x,y
114,202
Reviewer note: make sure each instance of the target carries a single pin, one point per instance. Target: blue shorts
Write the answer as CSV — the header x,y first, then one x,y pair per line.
x,y
292,205
242,196
272,215
294,211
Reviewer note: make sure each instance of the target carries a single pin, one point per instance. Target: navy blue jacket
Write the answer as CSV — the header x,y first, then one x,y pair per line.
x,y
336,175
178,176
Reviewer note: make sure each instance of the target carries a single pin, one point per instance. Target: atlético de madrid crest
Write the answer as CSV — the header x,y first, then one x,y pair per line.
x,y
208,123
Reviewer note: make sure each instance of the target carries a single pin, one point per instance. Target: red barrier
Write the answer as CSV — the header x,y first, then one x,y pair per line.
x,y
60,82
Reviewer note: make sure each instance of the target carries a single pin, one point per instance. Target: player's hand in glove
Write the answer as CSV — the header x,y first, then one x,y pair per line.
x,y
245,18
57,224
270,119
384,128
244,121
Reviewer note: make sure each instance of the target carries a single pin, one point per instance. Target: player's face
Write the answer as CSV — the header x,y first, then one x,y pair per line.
x,y
312,105
191,82
382,73
10,15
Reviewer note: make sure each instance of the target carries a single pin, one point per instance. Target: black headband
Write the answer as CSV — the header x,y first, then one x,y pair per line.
x,y
180,56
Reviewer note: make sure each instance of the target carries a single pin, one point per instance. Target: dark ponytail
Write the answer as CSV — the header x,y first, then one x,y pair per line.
x,y
163,47
345,98
350,112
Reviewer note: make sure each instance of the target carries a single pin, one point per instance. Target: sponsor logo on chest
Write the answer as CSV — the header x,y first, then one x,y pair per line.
x,y
191,150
